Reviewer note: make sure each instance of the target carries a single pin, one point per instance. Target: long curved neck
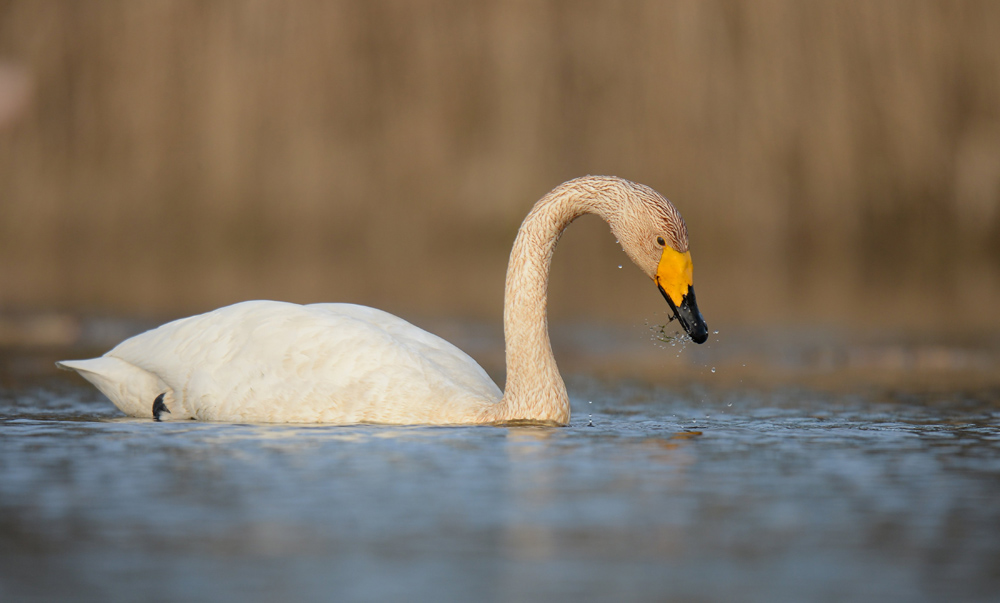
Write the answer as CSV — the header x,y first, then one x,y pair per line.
x,y
535,390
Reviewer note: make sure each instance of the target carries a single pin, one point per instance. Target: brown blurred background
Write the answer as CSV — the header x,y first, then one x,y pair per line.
x,y
836,162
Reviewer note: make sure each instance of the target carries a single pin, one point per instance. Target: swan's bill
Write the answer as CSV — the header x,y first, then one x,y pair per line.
x,y
689,316
674,279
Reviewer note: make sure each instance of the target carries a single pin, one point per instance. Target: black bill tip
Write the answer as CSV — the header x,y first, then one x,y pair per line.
x,y
689,316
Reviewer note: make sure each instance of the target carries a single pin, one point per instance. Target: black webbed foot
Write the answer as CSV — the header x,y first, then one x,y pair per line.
x,y
159,407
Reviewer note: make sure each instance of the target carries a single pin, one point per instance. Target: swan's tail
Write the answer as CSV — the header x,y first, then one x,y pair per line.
x,y
130,388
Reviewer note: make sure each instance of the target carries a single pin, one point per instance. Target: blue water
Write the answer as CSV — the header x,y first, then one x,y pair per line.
x,y
679,492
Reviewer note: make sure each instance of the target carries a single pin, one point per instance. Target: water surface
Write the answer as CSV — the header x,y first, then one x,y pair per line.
x,y
689,491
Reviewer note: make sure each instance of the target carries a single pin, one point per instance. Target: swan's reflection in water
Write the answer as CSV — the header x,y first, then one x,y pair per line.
x,y
544,516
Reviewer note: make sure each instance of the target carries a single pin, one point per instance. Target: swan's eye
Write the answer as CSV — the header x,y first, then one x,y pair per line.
x,y
660,241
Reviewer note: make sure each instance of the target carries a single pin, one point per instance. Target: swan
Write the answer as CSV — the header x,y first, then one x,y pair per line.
x,y
338,363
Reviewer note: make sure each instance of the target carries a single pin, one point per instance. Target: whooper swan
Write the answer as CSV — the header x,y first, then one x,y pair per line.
x,y
274,362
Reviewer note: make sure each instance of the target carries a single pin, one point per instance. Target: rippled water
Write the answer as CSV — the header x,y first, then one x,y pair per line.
x,y
688,492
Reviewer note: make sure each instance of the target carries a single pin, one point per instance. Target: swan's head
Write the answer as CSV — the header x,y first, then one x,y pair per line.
x,y
653,234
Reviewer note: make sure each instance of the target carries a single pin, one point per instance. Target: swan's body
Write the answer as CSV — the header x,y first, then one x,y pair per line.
x,y
275,362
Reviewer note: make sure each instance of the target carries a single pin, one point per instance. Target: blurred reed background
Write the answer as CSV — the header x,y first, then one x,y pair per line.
x,y
836,162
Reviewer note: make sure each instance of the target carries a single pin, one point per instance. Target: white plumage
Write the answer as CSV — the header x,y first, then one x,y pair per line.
x,y
265,361
275,362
